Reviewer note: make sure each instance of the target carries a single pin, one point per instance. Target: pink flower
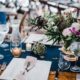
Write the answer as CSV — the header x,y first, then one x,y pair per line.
x,y
76,26
66,32
75,32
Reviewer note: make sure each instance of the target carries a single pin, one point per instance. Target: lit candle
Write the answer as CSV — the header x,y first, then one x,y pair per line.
x,y
28,47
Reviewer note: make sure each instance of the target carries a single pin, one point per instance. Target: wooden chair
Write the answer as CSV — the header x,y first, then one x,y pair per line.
x,y
21,26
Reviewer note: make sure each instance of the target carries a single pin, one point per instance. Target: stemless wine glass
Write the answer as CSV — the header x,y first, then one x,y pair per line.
x,y
63,64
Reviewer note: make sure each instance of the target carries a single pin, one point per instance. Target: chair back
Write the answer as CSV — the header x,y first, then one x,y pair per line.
x,y
22,21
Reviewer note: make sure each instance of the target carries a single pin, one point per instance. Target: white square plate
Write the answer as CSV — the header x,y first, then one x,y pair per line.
x,y
39,72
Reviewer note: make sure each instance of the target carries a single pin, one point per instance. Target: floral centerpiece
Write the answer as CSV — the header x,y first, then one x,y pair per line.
x,y
59,28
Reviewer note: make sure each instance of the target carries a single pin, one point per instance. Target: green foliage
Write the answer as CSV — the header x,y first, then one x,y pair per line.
x,y
54,24
59,24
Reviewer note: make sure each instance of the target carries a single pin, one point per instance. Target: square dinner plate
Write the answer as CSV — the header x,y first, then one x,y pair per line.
x,y
39,72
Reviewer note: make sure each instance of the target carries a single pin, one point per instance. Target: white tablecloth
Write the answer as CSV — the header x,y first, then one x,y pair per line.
x,y
38,37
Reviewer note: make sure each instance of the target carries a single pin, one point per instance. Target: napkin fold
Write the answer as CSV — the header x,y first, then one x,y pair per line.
x,y
31,60
29,63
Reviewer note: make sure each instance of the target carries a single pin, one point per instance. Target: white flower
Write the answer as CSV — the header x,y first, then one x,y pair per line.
x,y
55,28
66,32
76,26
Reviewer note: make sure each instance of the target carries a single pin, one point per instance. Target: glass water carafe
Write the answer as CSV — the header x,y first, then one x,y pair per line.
x,y
15,45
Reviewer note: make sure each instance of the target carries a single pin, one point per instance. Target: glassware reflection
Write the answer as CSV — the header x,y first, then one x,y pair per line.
x,y
63,64
76,50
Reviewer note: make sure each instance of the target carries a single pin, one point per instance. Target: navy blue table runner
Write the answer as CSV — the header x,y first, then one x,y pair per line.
x,y
52,54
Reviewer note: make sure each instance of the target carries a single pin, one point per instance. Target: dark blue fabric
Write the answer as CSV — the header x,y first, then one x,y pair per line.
x,y
51,52
2,18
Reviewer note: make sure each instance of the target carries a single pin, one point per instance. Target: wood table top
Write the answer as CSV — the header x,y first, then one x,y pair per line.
x,y
63,76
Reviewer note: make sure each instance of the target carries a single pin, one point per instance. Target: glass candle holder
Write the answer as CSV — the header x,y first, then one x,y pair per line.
x,y
28,46
16,48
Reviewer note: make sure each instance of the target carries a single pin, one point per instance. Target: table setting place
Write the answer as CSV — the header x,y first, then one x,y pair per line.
x,y
29,68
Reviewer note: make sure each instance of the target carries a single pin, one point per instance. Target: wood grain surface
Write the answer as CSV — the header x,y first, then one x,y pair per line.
x,y
63,76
